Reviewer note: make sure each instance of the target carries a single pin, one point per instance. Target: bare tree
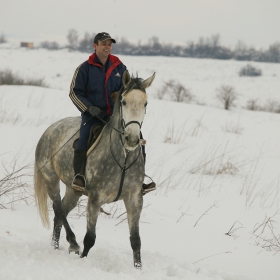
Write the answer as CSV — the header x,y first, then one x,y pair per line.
x,y
2,38
85,44
252,104
215,40
181,94
72,38
273,52
13,189
50,45
176,91
272,106
250,70
227,95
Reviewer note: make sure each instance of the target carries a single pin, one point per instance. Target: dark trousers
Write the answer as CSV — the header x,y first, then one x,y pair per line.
x,y
87,122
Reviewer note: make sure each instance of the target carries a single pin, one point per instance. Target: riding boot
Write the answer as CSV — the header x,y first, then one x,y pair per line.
x,y
147,187
79,163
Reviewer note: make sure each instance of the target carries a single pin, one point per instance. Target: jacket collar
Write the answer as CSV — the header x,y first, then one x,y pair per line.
x,y
93,59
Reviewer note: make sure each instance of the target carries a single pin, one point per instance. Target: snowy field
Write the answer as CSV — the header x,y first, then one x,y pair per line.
x,y
215,214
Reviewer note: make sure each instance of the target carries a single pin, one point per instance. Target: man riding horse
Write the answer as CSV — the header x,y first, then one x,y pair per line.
x,y
92,85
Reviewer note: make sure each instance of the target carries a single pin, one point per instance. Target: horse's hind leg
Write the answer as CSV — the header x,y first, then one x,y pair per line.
x,y
134,208
69,202
56,232
60,218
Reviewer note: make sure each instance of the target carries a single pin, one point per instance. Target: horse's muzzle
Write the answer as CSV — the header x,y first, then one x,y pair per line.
x,y
131,142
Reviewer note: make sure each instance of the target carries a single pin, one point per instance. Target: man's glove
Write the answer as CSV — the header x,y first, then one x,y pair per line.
x,y
94,111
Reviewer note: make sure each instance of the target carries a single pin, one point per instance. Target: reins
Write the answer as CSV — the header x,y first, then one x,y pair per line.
x,y
109,124
123,168
65,143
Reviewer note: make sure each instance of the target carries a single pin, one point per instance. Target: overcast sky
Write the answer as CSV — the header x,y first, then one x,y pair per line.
x,y
254,22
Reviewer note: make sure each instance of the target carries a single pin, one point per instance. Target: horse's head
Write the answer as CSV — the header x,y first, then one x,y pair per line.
x,y
133,102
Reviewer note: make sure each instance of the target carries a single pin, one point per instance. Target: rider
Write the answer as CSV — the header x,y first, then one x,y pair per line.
x,y
92,85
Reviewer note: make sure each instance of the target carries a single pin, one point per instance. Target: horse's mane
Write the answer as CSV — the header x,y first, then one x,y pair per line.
x,y
135,83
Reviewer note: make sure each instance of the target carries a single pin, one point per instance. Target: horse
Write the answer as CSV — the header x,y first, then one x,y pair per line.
x,y
114,169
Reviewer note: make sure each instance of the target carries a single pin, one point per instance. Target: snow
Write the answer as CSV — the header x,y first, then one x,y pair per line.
x,y
216,171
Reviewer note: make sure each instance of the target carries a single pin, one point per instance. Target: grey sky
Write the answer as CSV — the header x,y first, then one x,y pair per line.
x,y
255,22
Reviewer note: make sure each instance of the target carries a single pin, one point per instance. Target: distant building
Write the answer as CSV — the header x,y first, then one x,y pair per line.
x,y
26,45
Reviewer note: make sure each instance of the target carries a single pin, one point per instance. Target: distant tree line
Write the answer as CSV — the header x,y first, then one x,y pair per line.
x,y
204,48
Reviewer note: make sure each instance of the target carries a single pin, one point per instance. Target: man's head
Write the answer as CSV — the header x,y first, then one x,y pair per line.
x,y
103,45
102,36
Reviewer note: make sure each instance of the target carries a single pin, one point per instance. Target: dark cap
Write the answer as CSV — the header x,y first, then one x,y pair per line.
x,y
102,36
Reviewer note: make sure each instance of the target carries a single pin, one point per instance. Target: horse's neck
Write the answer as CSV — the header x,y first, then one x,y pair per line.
x,y
117,139
116,117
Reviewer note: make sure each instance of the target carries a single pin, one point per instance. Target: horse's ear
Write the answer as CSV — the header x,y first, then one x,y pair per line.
x,y
126,79
114,96
148,81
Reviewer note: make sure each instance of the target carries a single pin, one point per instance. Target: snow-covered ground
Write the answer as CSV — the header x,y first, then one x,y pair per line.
x,y
214,214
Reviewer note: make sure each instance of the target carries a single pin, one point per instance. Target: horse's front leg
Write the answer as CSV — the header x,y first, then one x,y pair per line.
x,y
134,206
92,215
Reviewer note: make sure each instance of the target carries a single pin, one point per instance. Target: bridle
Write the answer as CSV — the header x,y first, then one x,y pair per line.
x,y
123,124
123,168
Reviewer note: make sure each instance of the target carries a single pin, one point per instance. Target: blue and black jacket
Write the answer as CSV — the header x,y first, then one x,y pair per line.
x,y
92,85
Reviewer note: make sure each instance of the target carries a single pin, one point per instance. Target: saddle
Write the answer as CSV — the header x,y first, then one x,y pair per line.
x,y
94,137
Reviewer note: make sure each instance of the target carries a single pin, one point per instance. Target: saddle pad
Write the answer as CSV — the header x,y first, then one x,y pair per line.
x,y
96,141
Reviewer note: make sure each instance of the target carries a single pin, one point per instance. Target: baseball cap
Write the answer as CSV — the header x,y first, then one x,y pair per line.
x,y
102,36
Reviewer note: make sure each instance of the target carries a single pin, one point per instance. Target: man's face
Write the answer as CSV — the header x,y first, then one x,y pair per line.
x,y
103,48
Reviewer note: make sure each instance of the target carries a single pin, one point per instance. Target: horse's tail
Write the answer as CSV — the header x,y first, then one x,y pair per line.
x,y
41,196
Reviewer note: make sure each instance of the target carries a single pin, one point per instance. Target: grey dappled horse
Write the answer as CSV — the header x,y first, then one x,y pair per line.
x,y
115,162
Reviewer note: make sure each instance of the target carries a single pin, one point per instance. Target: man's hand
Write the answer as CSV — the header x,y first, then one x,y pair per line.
x,y
94,111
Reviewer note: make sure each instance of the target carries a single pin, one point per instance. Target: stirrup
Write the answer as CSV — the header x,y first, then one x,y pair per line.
x,y
76,186
148,187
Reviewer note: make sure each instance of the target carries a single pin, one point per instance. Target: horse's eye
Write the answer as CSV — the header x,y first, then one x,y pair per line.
x,y
123,102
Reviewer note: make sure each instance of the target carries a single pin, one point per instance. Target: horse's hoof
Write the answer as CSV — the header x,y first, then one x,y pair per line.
x,y
74,248
76,252
138,265
55,245
137,260
83,255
